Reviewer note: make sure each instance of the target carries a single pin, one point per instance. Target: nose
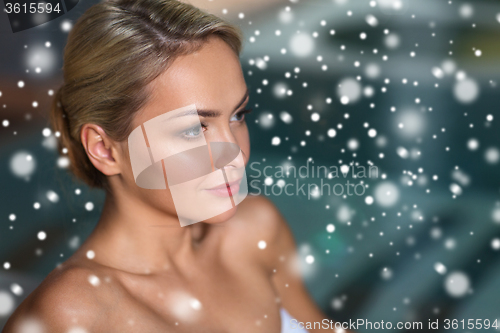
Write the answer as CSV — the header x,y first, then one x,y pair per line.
x,y
224,149
225,154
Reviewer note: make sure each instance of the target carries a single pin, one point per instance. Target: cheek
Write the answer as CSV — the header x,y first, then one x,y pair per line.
x,y
159,199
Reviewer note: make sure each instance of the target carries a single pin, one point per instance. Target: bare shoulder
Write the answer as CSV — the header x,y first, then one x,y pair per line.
x,y
68,298
260,211
261,227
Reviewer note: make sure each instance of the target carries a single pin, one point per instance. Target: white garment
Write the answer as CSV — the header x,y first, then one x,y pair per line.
x,y
286,323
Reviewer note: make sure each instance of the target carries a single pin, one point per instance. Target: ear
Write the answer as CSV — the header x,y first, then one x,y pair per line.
x,y
100,149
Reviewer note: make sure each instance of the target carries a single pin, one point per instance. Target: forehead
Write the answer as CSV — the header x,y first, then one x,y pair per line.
x,y
211,78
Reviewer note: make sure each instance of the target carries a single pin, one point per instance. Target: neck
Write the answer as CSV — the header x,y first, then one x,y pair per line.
x,y
135,237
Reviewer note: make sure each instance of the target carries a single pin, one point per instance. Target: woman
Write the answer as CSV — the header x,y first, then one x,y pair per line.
x,y
127,62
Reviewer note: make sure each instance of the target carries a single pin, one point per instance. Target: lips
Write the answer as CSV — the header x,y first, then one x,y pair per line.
x,y
226,189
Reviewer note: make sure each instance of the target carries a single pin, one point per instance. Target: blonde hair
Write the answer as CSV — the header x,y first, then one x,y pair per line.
x,y
113,52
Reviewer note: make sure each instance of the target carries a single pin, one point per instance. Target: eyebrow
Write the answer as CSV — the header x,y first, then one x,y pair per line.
x,y
212,113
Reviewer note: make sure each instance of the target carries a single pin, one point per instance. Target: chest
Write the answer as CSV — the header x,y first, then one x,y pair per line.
x,y
218,300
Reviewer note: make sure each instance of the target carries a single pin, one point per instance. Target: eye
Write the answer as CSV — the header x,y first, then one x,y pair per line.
x,y
193,132
240,116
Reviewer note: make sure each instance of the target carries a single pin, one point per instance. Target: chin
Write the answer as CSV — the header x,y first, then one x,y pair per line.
x,y
222,217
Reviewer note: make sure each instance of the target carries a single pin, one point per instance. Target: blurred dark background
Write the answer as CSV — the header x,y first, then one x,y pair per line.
x,y
408,86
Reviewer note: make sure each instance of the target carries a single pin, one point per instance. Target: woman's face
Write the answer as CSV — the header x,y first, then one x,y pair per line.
x,y
186,137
